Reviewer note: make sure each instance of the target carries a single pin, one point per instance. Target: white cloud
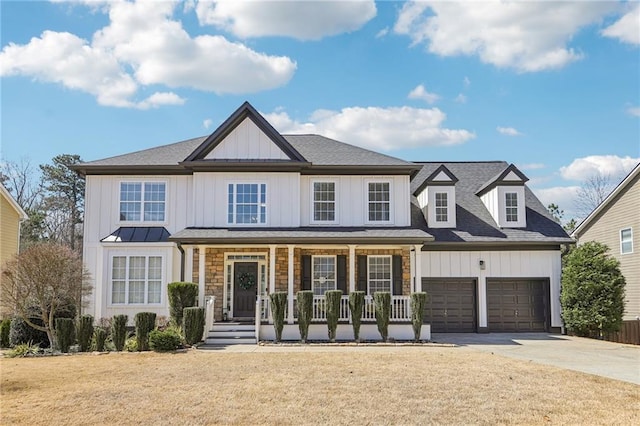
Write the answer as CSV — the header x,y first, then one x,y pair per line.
x,y
461,99
207,123
508,131
142,46
531,166
584,168
627,28
562,196
526,36
419,92
383,32
634,111
376,128
466,82
303,20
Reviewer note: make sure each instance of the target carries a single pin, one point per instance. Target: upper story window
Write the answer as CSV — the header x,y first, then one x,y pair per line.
x,y
324,202
442,207
136,279
626,241
379,271
247,203
142,201
378,197
511,205
324,274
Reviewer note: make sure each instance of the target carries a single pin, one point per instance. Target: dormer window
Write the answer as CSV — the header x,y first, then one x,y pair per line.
x,y
504,197
437,198
511,205
442,209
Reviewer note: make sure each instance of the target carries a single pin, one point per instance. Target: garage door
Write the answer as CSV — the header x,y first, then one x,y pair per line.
x,y
451,305
517,304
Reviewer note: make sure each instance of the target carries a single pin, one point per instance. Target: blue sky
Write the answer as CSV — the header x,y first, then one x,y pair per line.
x,y
553,87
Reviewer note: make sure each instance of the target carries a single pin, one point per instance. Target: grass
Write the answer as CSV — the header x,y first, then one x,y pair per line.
x,y
390,385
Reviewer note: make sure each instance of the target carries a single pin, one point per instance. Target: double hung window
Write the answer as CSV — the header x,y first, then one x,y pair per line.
x,y
379,273
324,201
511,204
379,201
442,207
247,203
136,279
626,241
142,201
324,274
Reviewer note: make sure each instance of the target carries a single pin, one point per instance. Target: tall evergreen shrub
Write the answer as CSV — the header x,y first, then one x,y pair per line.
x,y
305,313
181,295
145,323
418,302
5,327
119,331
64,333
85,333
356,304
100,335
332,302
278,308
382,302
193,325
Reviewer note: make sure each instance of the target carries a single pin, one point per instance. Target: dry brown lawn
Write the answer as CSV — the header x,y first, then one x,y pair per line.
x,y
395,385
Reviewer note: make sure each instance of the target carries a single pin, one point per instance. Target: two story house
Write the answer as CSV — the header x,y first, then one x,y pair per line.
x,y
246,211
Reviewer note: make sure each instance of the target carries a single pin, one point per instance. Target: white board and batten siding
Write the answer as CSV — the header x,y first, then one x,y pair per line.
x,y
351,199
247,141
498,264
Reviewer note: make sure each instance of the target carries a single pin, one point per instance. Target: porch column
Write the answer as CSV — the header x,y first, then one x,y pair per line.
x,y
418,268
202,255
290,285
100,278
188,267
272,269
352,268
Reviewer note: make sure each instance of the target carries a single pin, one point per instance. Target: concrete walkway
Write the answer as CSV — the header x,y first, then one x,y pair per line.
x,y
607,359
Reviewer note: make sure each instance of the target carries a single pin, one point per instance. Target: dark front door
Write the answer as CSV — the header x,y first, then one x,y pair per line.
x,y
245,289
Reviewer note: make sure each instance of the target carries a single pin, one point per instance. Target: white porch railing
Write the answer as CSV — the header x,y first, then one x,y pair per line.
x,y
400,309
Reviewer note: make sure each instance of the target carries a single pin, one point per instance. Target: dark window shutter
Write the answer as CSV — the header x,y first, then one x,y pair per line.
x,y
362,273
342,273
397,275
306,272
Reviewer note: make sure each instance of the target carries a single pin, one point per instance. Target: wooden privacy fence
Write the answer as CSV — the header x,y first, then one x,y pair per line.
x,y
629,333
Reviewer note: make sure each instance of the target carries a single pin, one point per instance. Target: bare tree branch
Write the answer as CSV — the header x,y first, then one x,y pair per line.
x,y
592,192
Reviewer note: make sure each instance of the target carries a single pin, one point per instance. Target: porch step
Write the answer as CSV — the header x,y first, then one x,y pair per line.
x,y
231,333
232,326
218,341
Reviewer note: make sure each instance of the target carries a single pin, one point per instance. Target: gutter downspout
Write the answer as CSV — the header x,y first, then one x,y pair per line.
x,y
179,245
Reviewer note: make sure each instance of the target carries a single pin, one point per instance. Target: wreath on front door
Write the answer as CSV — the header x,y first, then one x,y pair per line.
x,y
246,281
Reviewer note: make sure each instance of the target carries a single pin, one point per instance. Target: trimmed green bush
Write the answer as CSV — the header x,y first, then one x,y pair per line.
x,y
64,333
119,331
20,332
382,302
356,304
181,295
165,341
592,291
305,313
5,328
193,326
332,301
278,308
85,333
100,336
418,302
145,322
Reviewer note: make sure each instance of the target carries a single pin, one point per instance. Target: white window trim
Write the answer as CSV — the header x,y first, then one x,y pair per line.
x,y
366,202
229,259
335,202
630,229
266,203
506,208
128,255
446,207
388,256
335,270
143,222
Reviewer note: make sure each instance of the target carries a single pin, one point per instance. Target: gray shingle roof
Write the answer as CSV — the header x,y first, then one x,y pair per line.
x,y
474,222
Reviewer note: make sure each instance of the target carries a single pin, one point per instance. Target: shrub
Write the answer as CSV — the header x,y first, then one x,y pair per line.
x,y
592,294
164,341
145,322
131,344
418,301
64,333
193,326
20,332
100,335
278,307
181,295
332,300
5,328
85,332
119,331
23,349
305,313
382,302
356,303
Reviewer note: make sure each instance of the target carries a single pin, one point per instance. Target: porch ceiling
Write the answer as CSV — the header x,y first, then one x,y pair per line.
x,y
304,235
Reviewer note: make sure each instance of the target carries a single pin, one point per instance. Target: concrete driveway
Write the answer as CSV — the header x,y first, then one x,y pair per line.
x,y
607,359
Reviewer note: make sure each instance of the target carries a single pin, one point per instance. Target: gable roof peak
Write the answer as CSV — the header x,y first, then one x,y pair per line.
x,y
246,110
511,175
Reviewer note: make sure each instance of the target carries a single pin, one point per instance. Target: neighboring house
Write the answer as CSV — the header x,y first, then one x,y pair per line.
x,y
247,211
616,223
11,214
